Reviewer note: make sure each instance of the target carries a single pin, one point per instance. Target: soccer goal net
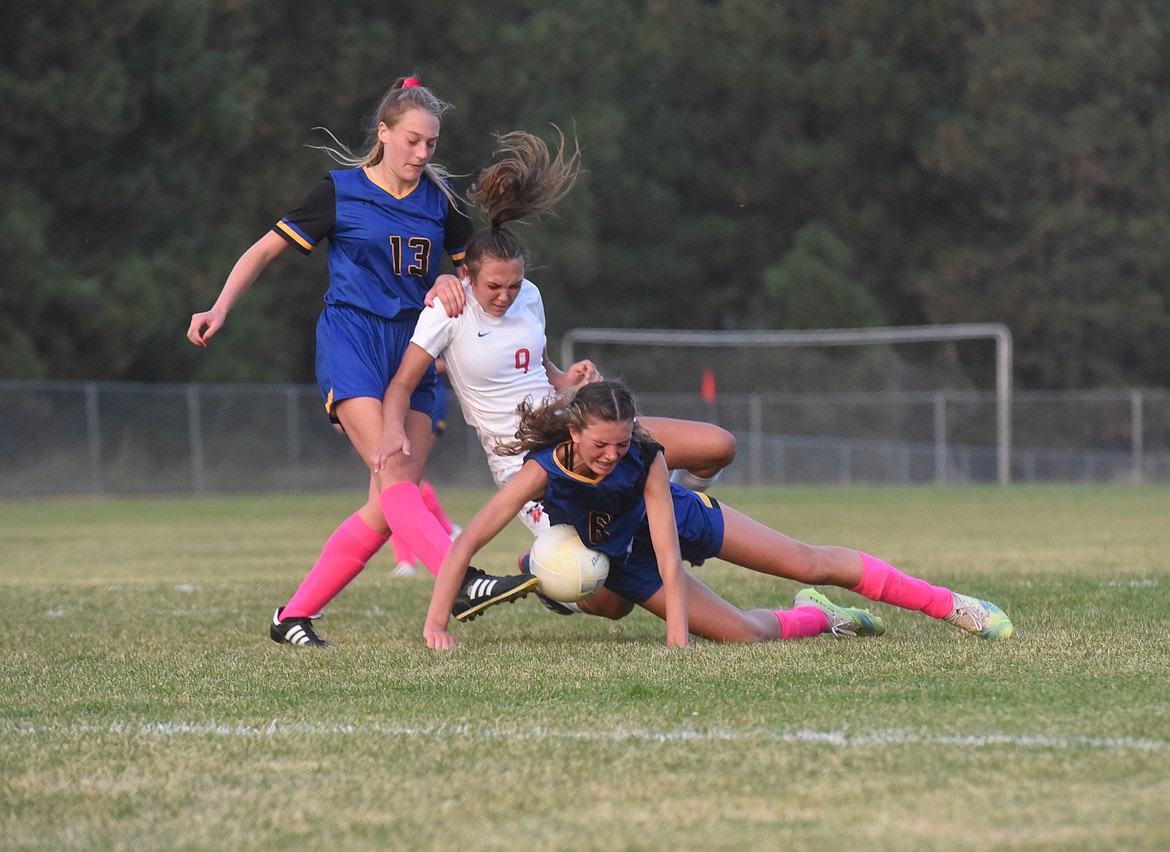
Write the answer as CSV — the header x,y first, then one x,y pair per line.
x,y
901,404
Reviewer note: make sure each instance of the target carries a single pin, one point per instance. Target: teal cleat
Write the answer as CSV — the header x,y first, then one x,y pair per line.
x,y
844,621
983,618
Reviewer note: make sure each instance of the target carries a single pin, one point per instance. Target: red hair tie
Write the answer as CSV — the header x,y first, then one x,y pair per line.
x,y
411,83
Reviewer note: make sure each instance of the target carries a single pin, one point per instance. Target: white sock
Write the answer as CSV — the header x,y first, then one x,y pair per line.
x,y
691,482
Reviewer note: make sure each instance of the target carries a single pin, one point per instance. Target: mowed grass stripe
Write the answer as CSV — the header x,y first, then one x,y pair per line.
x,y
839,739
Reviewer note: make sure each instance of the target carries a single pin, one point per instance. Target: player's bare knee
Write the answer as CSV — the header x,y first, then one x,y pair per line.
x,y
724,448
605,606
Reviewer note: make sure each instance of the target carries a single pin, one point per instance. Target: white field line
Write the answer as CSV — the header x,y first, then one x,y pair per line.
x,y
839,739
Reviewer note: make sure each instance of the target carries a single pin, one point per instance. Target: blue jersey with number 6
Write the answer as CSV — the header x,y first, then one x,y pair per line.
x,y
606,511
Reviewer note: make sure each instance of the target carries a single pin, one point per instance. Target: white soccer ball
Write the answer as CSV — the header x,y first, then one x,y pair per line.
x,y
566,568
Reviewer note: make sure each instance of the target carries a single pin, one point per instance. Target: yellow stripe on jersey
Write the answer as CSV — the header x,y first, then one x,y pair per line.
x,y
294,236
569,472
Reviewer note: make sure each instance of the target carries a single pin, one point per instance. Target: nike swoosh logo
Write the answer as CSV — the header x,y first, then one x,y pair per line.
x,y
482,333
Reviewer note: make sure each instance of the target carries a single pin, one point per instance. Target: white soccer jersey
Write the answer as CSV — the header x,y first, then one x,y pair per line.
x,y
493,364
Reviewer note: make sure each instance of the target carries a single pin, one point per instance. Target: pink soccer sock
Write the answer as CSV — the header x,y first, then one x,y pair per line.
x,y
881,581
435,506
402,553
344,556
801,622
409,518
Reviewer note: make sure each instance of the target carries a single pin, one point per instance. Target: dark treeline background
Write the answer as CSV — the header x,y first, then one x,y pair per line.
x,y
752,164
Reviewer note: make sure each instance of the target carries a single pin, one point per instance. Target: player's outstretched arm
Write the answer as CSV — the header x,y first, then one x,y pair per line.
x,y
580,373
664,537
528,484
247,269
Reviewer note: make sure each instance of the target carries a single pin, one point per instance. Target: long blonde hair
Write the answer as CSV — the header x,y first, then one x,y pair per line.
x,y
398,100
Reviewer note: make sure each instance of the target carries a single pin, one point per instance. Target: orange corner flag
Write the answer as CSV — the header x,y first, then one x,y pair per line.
x,y
707,386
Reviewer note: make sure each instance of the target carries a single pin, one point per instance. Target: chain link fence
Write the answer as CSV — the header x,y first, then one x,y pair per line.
x,y
60,438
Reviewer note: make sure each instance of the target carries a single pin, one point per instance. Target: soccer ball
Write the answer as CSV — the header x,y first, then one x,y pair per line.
x,y
566,568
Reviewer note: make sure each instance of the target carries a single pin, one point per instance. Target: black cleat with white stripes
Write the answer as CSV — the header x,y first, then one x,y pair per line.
x,y
480,590
295,631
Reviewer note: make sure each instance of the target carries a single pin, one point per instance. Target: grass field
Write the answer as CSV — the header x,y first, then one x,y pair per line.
x,y
143,707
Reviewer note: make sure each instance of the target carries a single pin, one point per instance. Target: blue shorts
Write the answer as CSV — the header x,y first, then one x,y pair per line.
x,y
700,536
358,354
439,414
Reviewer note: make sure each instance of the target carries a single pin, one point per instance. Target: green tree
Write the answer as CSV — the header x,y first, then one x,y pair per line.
x,y
812,286
940,161
1056,164
102,163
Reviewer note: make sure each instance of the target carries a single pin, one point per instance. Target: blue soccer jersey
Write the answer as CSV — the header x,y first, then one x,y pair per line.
x,y
606,511
385,252
609,515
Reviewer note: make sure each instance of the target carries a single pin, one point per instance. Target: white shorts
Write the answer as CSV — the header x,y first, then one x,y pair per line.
x,y
504,468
